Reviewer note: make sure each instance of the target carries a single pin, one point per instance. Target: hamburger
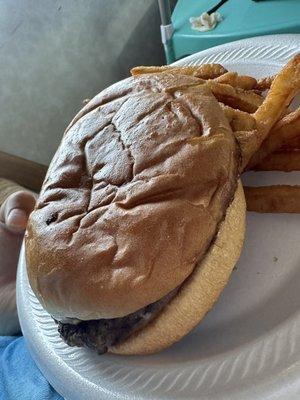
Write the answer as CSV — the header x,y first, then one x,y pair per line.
x,y
141,217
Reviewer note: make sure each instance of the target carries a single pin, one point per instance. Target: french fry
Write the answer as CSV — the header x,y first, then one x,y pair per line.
x,y
238,120
273,199
283,89
235,97
286,129
235,80
264,83
285,161
249,142
204,71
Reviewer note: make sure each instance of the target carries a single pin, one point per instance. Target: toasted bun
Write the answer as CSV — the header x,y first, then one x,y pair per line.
x,y
201,290
133,198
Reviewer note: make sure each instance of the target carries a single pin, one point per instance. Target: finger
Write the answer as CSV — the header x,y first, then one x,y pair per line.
x,y
16,209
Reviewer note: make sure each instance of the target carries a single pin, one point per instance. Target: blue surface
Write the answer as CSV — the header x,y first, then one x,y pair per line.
x,y
242,19
20,379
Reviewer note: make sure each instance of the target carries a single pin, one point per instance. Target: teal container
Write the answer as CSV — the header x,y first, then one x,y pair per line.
x,y
242,19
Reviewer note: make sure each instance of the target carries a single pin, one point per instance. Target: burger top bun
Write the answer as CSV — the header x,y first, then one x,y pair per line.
x,y
133,198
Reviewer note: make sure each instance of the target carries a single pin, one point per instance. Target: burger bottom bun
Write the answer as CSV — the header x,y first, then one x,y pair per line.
x,y
200,291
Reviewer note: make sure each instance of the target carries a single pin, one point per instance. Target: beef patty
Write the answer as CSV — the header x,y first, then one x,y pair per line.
x,y
100,334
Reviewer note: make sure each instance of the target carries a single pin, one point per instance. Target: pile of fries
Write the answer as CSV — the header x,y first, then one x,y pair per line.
x,y
268,132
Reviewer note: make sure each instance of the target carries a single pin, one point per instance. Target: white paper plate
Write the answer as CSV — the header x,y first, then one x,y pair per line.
x,y
248,347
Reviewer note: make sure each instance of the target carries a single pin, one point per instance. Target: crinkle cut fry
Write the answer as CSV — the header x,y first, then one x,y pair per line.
x,y
273,199
204,71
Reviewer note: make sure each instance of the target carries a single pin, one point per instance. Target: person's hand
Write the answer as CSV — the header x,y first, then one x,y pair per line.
x,y
14,214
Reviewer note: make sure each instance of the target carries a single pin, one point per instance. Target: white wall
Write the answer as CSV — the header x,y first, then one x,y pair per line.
x,y
54,54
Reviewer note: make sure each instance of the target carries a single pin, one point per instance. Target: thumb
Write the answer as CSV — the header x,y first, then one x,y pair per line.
x,y
16,209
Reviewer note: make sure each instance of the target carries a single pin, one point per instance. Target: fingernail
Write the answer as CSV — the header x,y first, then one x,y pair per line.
x,y
17,219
